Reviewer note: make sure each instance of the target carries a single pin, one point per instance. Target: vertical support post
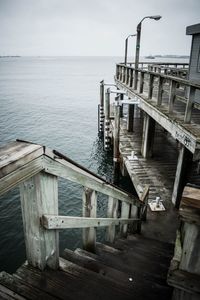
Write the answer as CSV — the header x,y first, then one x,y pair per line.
x,y
160,90
130,117
121,106
101,108
112,213
190,103
141,87
172,95
89,210
125,210
39,196
150,88
107,121
116,135
148,136
184,159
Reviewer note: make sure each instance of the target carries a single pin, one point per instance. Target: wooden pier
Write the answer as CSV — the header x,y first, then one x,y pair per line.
x,y
112,272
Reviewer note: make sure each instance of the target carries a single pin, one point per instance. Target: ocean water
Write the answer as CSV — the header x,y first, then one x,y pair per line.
x,y
53,101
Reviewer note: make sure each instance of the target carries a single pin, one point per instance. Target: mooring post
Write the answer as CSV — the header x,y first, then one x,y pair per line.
x,y
116,135
107,142
89,210
101,109
39,195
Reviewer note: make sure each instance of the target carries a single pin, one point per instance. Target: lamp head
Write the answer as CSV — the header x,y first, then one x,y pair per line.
x,y
156,18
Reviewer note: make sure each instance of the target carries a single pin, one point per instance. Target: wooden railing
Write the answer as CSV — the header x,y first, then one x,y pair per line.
x,y
184,272
36,170
158,83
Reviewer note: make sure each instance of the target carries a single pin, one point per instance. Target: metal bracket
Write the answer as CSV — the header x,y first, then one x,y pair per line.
x,y
156,205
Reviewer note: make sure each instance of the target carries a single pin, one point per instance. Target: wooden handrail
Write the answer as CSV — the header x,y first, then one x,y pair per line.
x,y
36,169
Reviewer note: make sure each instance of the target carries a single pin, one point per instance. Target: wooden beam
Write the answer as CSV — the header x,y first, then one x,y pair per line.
x,y
19,175
89,211
172,95
39,195
130,117
189,105
184,161
107,120
148,136
62,168
125,211
52,222
112,212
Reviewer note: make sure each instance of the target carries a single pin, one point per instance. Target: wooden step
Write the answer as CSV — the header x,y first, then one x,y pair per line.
x,y
70,282
152,285
84,259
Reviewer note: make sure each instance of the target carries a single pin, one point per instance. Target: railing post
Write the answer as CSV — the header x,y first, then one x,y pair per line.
x,y
135,79
172,95
112,213
39,195
107,121
150,88
189,105
89,210
101,109
125,211
160,90
141,87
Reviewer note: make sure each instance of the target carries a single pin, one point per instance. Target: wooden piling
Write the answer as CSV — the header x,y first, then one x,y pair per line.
x,y
116,135
107,141
130,117
184,161
148,136
101,109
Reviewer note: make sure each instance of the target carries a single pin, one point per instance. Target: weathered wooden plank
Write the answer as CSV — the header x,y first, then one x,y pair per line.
x,y
172,95
190,259
125,211
16,159
7,294
184,281
89,211
184,160
65,169
22,173
61,222
148,137
39,195
191,197
22,288
190,104
112,212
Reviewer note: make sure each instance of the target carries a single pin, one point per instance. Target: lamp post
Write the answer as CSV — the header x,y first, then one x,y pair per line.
x,y
126,47
137,52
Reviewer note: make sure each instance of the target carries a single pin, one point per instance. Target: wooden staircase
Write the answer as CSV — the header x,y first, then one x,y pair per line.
x,y
132,268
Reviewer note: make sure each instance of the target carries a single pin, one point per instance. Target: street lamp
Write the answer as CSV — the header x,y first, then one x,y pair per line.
x,y
126,47
137,52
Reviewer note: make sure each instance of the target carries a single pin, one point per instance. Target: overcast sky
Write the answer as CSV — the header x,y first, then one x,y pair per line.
x,y
94,27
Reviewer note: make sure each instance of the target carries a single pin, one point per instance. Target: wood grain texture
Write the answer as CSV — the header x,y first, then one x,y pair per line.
x,y
39,195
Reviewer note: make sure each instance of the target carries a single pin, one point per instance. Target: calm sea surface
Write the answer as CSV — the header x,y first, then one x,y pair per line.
x,y
52,101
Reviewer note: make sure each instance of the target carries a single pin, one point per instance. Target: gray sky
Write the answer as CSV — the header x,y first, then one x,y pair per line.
x,y
94,27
